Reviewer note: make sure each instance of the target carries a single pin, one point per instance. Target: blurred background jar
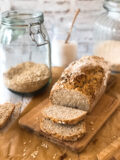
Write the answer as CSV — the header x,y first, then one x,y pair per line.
x,y
24,46
63,53
107,34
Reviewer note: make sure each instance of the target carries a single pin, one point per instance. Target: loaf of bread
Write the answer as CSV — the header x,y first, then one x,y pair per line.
x,y
63,115
82,83
62,131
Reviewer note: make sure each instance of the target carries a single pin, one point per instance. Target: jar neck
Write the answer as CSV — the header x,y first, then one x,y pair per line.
x,y
21,18
112,5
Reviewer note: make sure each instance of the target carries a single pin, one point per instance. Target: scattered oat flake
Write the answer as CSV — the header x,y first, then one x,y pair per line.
x,y
24,150
92,129
24,143
91,122
34,154
24,154
44,145
54,156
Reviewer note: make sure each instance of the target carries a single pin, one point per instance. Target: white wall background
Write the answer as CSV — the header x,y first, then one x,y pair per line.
x,y
61,11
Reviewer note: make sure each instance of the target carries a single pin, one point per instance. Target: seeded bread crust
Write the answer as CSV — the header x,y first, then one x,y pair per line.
x,y
63,132
74,97
63,115
6,111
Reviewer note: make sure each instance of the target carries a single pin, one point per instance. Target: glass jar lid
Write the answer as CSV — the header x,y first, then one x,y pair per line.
x,y
21,18
112,5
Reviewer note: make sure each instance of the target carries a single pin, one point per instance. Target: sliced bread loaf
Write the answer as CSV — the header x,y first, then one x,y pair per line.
x,y
63,115
82,83
5,113
63,132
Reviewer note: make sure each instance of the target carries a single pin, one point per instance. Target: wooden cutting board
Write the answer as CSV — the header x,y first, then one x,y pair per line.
x,y
94,121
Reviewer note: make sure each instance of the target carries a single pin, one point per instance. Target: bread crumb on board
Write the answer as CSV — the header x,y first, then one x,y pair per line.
x,y
91,122
24,154
24,142
54,156
44,145
34,154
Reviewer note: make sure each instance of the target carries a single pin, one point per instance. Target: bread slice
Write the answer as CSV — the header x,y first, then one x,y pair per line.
x,y
63,132
5,113
63,115
82,83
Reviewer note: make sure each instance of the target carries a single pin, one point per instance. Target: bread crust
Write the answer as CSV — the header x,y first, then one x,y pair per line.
x,y
63,120
77,68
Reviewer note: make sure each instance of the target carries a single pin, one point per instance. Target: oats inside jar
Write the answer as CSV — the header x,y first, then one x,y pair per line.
x,y
27,77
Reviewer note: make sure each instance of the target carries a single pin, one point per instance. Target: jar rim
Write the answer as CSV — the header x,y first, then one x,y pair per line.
x,y
21,17
112,5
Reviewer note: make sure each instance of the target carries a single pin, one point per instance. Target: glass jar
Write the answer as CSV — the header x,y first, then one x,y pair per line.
x,y
107,34
24,46
63,53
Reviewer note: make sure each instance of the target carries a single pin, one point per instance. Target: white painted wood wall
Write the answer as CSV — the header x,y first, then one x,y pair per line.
x,y
62,11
